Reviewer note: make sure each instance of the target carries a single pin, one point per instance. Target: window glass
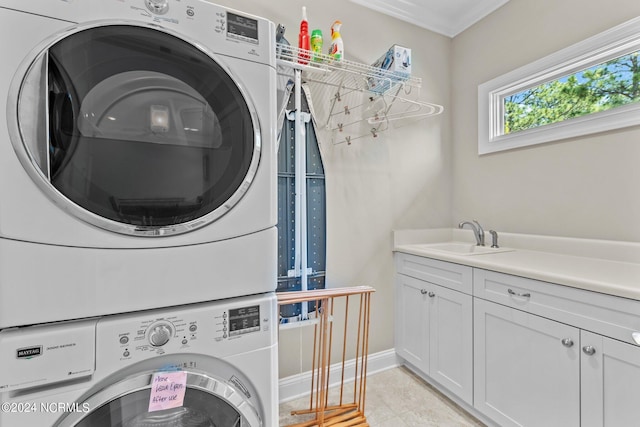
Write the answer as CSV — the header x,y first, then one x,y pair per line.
x,y
602,87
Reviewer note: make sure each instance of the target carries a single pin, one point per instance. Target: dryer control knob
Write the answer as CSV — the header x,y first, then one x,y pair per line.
x,y
159,7
159,335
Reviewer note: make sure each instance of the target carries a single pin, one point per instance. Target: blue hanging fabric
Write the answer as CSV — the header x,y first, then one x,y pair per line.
x,y
289,276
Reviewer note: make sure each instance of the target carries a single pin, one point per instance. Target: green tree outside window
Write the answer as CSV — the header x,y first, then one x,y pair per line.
x,y
602,87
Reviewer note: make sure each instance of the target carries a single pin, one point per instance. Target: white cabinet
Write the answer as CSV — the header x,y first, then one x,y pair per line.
x,y
434,327
412,322
527,368
532,371
451,341
575,373
519,351
610,382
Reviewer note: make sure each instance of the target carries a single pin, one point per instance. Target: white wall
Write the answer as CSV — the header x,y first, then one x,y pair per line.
x,y
583,187
398,180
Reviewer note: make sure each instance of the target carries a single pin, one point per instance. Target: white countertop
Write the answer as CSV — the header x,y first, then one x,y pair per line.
x,y
602,266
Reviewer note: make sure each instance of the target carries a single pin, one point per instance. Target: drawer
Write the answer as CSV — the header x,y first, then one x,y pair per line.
x,y
452,276
607,315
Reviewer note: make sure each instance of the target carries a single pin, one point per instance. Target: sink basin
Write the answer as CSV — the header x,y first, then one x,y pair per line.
x,y
461,248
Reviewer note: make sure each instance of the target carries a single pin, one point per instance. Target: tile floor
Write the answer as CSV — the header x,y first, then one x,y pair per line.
x,y
398,398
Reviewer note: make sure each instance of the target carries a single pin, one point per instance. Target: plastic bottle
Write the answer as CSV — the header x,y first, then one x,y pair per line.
x,y
316,45
336,50
304,42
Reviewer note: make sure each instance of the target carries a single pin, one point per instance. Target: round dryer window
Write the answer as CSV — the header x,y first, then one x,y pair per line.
x,y
136,130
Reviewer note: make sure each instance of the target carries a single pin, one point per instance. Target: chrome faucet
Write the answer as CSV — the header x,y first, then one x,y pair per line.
x,y
477,230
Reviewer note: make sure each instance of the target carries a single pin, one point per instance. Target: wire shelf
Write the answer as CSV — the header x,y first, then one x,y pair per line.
x,y
354,100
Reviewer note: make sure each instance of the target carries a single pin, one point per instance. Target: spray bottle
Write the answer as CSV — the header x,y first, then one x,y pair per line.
x,y
316,45
336,50
304,41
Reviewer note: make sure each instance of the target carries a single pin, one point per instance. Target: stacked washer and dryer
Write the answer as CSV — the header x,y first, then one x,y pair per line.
x,y
137,214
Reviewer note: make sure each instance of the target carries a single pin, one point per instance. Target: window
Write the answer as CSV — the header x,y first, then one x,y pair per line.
x,y
296,253
602,87
590,87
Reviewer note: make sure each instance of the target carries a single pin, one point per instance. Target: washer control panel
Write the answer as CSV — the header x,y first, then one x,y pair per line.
x,y
238,27
220,328
237,321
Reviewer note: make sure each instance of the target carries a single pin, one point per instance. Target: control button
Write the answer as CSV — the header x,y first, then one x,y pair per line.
x,y
126,354
193,328
160,335
159,7
224,335
124,339
184,341
190,12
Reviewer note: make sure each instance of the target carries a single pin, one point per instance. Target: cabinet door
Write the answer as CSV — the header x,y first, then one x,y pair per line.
x,y
451,341
412,317
524,374
610,382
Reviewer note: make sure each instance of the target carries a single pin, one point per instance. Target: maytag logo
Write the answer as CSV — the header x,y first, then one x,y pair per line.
x,y
29,352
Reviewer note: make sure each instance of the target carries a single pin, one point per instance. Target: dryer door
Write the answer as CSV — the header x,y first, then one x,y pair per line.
x,y
136,130
208,402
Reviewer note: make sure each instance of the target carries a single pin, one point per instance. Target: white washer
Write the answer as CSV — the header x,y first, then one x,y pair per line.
x,y
104,372
137,156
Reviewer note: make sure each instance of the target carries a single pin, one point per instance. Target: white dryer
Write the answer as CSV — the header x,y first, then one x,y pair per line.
x,y
209,364
137,156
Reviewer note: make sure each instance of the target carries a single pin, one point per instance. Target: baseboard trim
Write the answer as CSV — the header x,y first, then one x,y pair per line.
x,y
299,385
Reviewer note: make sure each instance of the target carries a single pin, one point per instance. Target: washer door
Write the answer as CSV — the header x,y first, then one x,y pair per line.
x,y
208,402
135,130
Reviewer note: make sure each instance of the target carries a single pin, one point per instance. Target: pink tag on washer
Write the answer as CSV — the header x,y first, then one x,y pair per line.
x,y
167,390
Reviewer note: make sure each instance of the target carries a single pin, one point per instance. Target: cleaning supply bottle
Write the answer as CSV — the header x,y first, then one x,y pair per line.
x,y
304,42
316,45
336,50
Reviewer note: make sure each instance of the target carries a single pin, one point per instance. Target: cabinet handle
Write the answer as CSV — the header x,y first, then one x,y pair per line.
x,y
432,294
515,294
423,291
589,350
567,342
